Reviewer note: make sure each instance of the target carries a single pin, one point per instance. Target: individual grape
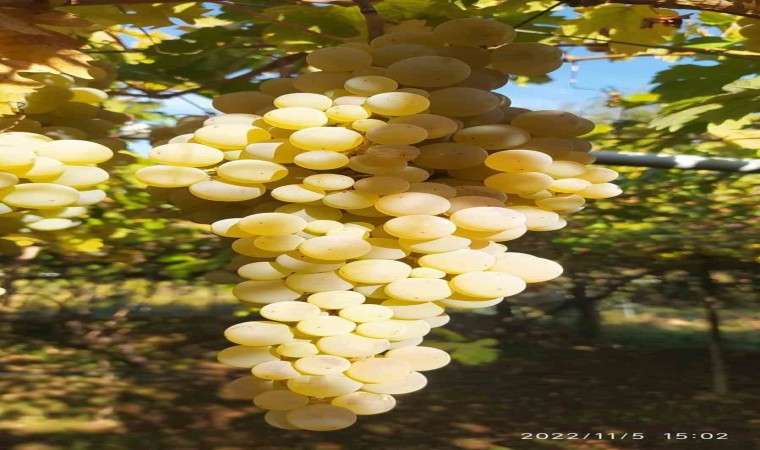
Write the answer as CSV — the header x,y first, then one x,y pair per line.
x,y
246,102
561,203
321,160
379,370
560,123
369,85
350,200
366,313
298,262
278,242
519,182
418,289
263,271
397,134
419,227
318,82
331,385
325,326
476,57
412,203
347,113
429,71
245,357
336,299
54,224
335,248
412,382
272,223
411,310
427,272
16,158
397,103
487,218
280,400
276,150
322,365
536,217
365,125
450,155
305,100
365,403
439,189
493,137
376,165
222,191
329,181
352,345
530,269
290,311
317,282
257,334
296,118
389,54
458,261
600,191
435,125
275,370
277,419
420,359
230,136
437,245
297,193
526,59
598,175
321,417
374,271
487,284
382,185
462,101
339,59
326,138
387,329
385,248
406,37
265,292
252,171
519,161
8,179
244,388
564,169
297,349
74,151
475,32
39,196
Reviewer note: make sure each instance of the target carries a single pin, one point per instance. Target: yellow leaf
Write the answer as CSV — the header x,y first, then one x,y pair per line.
x,y
625,23
56,51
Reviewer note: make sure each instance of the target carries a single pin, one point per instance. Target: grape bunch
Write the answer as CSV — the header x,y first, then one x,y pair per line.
x,y
49,155
370,195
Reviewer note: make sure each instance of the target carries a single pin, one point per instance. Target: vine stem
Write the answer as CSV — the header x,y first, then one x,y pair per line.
x,y
375,22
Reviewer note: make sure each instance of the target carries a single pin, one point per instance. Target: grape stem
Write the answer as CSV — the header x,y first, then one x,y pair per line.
x,y
375,22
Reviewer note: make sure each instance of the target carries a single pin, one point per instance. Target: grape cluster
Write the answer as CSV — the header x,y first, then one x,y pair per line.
x,y
370,195
49,155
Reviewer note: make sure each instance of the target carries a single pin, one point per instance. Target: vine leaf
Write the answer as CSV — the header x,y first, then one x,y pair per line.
x,y
30,42
636,23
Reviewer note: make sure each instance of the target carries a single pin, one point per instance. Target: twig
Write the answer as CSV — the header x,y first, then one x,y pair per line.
x,y
375,22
